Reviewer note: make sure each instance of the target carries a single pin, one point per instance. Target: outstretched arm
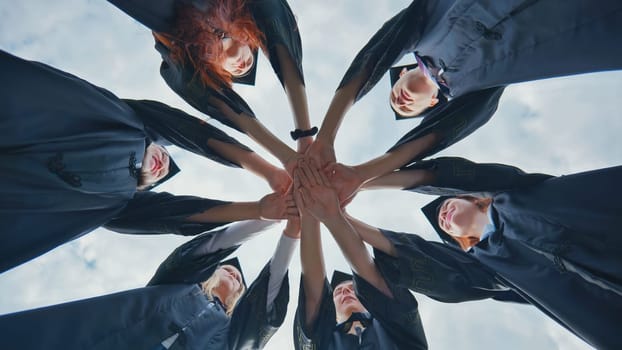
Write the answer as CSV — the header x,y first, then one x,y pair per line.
x,y
296,95
318,199
392,41
271,207
165,124
279,264
312,263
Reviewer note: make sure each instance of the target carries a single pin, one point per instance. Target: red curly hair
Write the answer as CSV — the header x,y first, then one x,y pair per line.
x,y
197,37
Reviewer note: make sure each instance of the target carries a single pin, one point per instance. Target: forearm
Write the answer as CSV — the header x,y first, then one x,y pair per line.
x,y
248,160
395,159
355,252
294,88
372,236
342,101
235,234
400,179
312,266
229,212
265,138
279,265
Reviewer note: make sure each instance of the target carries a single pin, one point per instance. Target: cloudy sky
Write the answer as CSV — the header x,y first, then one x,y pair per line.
x,y
558,126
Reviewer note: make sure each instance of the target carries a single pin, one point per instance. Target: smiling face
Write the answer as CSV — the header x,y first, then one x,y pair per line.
x,y
412,93
346,301
460,217
229,282
238,57
155,165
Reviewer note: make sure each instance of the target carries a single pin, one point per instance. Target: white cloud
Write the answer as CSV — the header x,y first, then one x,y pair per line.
x,y
558,126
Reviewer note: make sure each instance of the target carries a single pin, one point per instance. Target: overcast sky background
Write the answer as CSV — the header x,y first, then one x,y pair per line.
x,y
557,126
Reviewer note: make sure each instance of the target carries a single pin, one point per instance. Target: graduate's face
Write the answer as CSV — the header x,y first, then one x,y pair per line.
x,y
229,281
458,217
155,164
412,93
346,301
238,57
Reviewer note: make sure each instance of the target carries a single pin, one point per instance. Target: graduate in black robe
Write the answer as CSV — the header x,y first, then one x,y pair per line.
x,y
71,160
366,311
202,88
468,51
549,241
179,308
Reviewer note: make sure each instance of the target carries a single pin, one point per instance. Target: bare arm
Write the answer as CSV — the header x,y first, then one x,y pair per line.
x,y
296,94
348,180
273,206
372,236
320,200
401,179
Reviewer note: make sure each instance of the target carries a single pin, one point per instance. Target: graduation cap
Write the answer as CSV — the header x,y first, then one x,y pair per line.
x,y
431,213
394,75
249,77
235,263
338,278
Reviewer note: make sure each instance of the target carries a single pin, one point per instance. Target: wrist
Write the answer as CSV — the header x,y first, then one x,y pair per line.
x,y
300,133
334,220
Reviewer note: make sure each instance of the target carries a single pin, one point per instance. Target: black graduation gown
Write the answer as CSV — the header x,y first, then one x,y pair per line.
x,y
484,45
69,155
396,322
142,318
274,19
556,246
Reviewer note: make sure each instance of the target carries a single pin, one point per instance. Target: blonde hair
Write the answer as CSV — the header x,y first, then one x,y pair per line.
x,y
208,286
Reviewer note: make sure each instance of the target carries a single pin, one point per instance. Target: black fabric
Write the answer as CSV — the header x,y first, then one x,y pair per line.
x,y
80,171
273,18
481,46
556,246
172,303
395,325
454,176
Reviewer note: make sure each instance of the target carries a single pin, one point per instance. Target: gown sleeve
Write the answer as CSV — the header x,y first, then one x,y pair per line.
x,y
459,176
163,213
454,120
252,324
216,102
156,15
319,335
399,316
168,124
397,37
190,262
278,24
441,272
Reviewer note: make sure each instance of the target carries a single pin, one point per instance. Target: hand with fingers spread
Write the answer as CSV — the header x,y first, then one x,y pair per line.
x,y
276,206
322,152
346,181
314,194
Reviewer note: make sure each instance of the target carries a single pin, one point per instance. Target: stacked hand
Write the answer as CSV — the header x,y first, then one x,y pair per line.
x,y
276,206
313,192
